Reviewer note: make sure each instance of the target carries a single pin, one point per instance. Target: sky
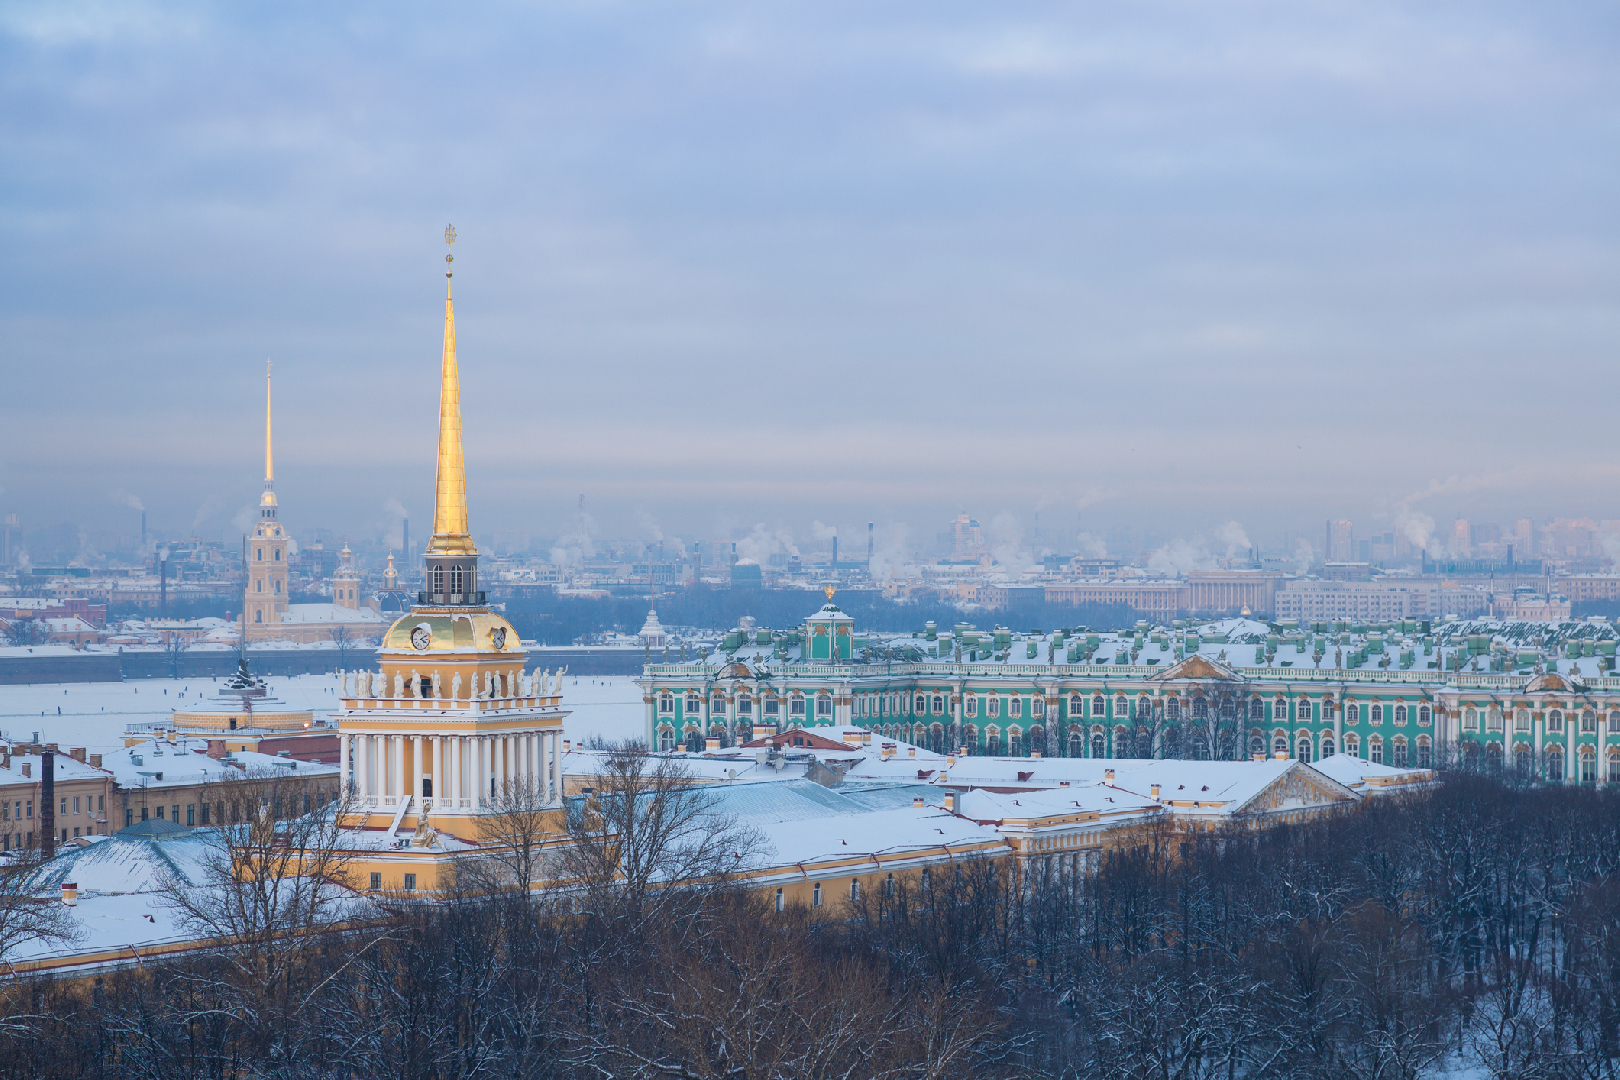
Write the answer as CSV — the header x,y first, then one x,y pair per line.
x,y
1162,264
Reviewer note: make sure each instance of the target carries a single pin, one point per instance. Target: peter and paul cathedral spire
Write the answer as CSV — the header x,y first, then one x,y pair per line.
x,y
267,501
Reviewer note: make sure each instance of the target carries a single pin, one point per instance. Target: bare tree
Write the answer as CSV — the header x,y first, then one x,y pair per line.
x,y
511,834
174,646
24,632
647,829
273,886
26,915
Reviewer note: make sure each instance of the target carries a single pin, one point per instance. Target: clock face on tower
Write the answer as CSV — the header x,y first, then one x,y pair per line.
x,y
499,637
421,637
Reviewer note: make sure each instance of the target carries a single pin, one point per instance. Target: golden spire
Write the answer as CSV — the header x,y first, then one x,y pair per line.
x,y
450,532
269,496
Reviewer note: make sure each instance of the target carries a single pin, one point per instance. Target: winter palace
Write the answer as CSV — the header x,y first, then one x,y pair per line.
x,y
1535,698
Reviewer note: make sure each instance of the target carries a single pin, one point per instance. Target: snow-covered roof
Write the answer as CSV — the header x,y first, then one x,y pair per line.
x,y
160,763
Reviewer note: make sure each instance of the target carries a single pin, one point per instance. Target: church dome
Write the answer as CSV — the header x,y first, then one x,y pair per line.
x,y
475,631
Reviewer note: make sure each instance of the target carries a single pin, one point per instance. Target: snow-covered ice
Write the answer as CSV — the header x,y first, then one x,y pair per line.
x,y
94,715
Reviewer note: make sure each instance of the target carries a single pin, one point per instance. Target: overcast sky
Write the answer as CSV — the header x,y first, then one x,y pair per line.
x,y
1165,263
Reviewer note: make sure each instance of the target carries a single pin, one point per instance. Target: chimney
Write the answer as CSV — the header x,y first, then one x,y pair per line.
x,y
47,802
1108,776
95,761
1259,755
1280,755
216,748
916,802
911,751
1035,755
952,803
835,553
70,893
950,759
28,769
1153,792
77,753
712,743
869,545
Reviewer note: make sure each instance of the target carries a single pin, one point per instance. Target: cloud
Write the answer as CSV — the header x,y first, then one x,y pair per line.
x,y
1233,537
392,525
1091,547
1180,557
129,499
763,542
211,506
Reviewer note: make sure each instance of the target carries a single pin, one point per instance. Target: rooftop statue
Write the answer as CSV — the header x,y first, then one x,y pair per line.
x,y
243,679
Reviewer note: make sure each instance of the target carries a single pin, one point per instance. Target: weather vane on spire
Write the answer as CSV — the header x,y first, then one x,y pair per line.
x,y
449,240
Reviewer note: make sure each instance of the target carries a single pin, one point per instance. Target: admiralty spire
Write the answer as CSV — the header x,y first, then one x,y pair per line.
x,y
452,558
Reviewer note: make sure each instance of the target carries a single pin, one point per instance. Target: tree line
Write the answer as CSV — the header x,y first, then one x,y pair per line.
x,y
1476,924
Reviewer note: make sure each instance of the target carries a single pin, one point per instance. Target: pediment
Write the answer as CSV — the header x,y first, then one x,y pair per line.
x,y
1552,683
1197,667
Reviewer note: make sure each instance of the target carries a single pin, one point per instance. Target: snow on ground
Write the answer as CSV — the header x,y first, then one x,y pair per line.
x,y
93,715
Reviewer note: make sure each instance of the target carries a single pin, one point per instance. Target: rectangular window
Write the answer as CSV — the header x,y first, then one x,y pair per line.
x,y
101,804
205,813
129,818
815,896
64,806
75,804
854,890
75,831
376,882
191,813
160,813
174,815
781,901
823,706
410,882
798,706
144,812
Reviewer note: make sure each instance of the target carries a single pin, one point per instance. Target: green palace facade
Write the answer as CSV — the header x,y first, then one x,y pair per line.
x,y
1165,692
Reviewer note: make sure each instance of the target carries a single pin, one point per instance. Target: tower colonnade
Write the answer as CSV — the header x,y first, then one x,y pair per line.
x,y
450,773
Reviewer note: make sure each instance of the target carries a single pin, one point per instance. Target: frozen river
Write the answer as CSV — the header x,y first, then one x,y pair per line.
x,y
93,715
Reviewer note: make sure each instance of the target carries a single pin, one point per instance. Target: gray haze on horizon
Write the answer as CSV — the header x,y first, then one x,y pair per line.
x,y
1163,264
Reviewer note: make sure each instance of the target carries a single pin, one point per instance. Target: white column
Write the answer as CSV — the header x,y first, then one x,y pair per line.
x,y
556,767
436,769
343,761
417,768
456,760
475,749
401,787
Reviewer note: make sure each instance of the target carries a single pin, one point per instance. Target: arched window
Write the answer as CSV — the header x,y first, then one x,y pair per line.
x,y
1400,753
1555,764
1352,714
1015,707
1076,705
278,555
992,743
1425,753
1521,720
1400,716
1493,719
1172,709
717,704
1037,706
694,741
1122,707
1614,766
1099,746
438,577
994,706
1352,745
921,705
1304,749
1200,709
1493,756
971,705
1327,746
939,704
1257,746
1257,709
1378,714
455,580
1015,743
1555,720
1470,719
1588,765
1589,721
666,739
1076,746
1375,750
1425,717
